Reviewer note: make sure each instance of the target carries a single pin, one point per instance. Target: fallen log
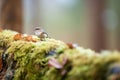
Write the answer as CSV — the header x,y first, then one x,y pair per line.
x,y
28,57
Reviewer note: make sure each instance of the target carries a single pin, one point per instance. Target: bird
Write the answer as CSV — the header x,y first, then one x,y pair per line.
x,y
40,33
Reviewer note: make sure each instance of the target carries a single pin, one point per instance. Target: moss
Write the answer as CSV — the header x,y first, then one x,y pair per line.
x,y
83,66
50,59
6,37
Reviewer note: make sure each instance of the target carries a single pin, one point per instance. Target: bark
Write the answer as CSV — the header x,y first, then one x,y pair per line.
x,y
11,14
95,10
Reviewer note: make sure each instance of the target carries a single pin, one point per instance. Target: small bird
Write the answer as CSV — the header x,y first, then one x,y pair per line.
x,y
40,33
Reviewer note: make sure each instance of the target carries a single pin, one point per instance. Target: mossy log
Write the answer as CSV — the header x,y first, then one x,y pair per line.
x,y
27,57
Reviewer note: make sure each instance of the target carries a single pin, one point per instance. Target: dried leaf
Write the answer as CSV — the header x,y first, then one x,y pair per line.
x,y
28,38
71,46
18,36
53,62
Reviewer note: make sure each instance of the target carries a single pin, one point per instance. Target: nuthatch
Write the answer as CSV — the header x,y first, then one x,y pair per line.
x,y
40,33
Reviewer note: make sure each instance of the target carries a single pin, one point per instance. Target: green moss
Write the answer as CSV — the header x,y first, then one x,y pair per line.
x,y
31,63
83,66
6,37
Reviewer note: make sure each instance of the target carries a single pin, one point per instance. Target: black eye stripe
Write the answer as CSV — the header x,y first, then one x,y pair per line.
x,y
37,29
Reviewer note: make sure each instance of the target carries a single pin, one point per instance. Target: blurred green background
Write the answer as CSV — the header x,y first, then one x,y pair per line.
x,y
92,24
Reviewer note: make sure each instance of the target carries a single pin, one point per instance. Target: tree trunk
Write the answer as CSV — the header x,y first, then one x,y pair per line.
x,y
95,10
11,15
118,27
